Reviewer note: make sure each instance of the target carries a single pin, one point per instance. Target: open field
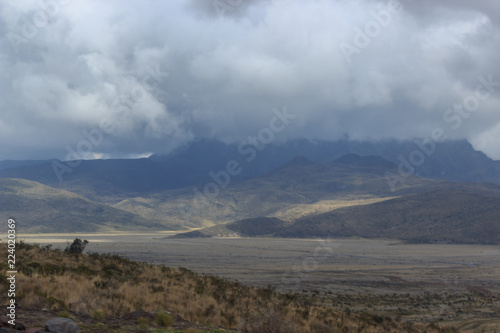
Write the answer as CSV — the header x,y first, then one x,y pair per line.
x,y
455,284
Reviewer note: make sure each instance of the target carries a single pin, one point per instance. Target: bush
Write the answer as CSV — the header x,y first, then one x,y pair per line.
x,y
64,314
164,319
77,246
98,315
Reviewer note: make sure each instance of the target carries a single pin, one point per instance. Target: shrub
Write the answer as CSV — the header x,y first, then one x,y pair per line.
x,y
64,314
77,246
164,319
98,315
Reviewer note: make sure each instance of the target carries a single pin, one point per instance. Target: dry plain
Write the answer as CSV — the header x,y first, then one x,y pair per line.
x,y
450,284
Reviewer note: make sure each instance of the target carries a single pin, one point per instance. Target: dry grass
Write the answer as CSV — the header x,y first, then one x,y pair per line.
x,y
323,206
111,285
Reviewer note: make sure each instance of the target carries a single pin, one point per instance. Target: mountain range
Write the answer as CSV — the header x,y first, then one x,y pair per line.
x,y
299,189
191,165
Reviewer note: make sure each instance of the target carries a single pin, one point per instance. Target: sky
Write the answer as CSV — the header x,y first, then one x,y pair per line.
x,y
127,78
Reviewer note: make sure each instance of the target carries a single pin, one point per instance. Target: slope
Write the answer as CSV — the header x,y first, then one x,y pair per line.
x,y
40,208
288,192
438,216
441,216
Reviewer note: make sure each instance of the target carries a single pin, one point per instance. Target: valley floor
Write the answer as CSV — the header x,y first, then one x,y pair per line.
x,y
450,284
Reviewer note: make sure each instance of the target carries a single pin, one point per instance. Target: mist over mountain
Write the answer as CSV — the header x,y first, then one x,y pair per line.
x,y
115,87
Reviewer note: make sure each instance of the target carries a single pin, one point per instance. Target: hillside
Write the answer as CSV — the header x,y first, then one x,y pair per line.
x,y
295,190
107,293
437,216
298,189
253,227
284,193
442,216
40,208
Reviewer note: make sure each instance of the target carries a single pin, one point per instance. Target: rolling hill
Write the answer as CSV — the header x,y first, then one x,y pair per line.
x,y
40,208
282,193
441,216
299,188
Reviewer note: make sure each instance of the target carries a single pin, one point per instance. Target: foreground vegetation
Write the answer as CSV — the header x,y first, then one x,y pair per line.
x,y
108,287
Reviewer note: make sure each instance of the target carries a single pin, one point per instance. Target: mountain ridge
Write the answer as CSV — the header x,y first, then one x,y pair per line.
x,y
191,165
297,188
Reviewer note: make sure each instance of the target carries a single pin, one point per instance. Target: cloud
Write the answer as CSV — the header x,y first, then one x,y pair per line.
x,y
163,73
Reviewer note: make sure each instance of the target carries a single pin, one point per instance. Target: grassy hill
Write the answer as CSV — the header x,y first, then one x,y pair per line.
x,y
286,193
40,208
100,291
437,216
296,190
444,216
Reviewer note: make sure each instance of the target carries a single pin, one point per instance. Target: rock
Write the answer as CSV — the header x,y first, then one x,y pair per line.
x,y
61,325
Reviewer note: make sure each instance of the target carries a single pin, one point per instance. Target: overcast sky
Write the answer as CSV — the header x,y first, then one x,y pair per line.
x,y
165,72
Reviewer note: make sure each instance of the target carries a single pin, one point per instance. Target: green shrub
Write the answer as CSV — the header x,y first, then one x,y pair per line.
x,y
163,319
64,314
98,315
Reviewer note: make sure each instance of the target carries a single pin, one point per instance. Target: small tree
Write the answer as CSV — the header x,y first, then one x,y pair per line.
x,y
77,246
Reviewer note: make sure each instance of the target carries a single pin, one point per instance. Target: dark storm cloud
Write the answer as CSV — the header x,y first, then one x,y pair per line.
x,y
161,73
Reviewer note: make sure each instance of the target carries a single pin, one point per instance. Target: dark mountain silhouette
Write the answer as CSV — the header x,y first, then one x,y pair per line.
x,y
192,164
